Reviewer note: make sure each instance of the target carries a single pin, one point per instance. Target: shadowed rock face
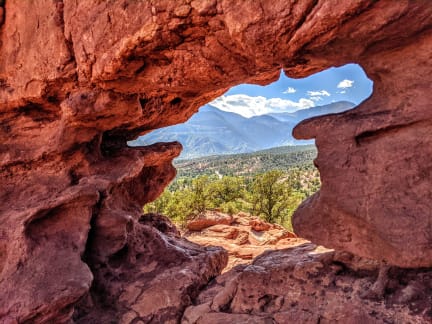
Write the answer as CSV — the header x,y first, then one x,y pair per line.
x,y
78,79
152,278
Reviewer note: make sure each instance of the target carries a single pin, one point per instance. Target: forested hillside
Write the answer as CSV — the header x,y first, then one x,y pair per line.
x,y
269,184
278,158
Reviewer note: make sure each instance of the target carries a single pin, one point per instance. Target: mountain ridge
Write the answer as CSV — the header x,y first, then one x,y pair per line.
x,y
212,131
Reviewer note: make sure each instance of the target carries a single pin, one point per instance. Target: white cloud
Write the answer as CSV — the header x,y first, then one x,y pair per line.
x,y
316,93
316,98
290,90
345,84
342,91
248,106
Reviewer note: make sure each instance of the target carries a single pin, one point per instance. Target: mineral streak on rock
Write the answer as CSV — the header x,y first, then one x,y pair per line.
x,y
80,78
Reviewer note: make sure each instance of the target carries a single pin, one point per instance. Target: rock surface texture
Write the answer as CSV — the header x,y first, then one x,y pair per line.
x,y
310,284
242,236
152,279
80,78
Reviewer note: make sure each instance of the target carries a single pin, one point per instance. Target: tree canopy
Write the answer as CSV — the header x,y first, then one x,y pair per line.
x,y
272,195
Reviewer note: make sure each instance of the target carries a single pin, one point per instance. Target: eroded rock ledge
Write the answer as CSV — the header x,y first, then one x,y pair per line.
x,y
309,284
80,78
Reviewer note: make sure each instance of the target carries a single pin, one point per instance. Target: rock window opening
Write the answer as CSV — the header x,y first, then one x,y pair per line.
x,y
242,174
78,79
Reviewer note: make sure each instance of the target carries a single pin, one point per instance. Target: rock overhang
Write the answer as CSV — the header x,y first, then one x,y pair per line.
x,y
79,79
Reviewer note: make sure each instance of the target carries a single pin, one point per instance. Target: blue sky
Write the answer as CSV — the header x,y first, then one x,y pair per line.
x,y
348,83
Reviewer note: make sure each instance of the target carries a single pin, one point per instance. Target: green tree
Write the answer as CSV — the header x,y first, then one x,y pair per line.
x,y
200,194
273,195
227,189
177,205
159,205
180,207
226,192
270,196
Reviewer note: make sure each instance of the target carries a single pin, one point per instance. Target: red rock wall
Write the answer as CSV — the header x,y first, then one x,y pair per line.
x,y
375,164
80,78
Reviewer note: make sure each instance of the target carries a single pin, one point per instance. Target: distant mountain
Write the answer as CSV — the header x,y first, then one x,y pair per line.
x,y
303,114
214,132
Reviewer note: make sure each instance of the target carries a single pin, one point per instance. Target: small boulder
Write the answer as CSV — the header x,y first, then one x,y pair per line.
x,y
259,225
207,219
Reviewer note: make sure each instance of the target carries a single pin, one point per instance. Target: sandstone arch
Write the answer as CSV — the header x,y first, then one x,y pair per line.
x,y
79,79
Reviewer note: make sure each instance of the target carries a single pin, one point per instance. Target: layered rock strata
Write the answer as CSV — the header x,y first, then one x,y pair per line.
x,y
80,78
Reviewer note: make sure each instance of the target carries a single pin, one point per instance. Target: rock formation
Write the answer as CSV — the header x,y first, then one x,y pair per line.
x,y
151,279
309,284
80,78
208,218
244,237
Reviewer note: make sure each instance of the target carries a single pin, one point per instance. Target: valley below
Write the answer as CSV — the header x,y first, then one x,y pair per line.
x,y
246,164
269,184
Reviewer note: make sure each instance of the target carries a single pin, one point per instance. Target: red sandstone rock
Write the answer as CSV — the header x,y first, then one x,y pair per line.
x,y
80,78
207,219
161,223
259,225
241,240
1,15
152,278
374,160
43,255
308,284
